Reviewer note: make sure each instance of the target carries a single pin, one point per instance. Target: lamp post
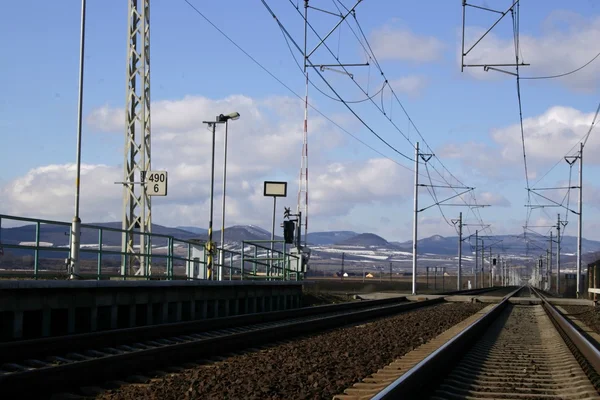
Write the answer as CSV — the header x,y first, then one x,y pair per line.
x,y
210,245
226,118
76,225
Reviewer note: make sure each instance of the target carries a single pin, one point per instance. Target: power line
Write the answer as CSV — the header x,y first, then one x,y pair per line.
x,y
329,85
516,41
338,64
583,139
291,90
566,73
338,100
395,96
381,109
434,196
411,122
287,42
515,20
587,135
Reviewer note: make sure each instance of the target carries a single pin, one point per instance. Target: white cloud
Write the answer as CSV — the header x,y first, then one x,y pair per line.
x,y
104,119
548,137
394,43
480,159
591,195
48,192
557,50
493,199
412,85
265,142
341,187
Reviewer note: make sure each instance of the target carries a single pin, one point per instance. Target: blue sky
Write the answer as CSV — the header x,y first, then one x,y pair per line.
x,y
469,119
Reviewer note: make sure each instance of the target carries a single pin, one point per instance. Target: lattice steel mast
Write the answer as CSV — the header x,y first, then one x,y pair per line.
x,y
303,178
136,206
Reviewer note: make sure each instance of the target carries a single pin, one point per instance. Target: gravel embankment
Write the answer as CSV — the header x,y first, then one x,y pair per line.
x,y
316,367
587,314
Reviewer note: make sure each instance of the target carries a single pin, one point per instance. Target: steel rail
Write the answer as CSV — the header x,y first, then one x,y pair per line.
x,y
99,364
583,345
471,291
19,350
409,385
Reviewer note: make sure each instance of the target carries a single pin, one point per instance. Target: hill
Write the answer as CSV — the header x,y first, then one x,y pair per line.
x,y
325,238
237,233
59,235
366,240
193,229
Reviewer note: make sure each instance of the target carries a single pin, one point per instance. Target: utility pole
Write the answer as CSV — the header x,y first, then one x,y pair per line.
x,y
499,273
459,273
210,244
545,275
491,267
579,220
495,270
558,256
549,269
571,160
425,158
343,254
390,271
481,275
476,260
415,217
75,240
540,266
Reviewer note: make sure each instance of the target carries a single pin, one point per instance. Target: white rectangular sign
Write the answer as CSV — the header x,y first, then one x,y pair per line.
x,y
276,189
156,183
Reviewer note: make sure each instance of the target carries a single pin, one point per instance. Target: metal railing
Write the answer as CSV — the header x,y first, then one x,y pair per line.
x,y
168,258
267,263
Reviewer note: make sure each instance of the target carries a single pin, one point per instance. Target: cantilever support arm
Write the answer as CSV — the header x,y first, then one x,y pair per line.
x,y
342,19
555,203
443,201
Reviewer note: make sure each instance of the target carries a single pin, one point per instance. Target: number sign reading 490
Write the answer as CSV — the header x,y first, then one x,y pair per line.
x,y
156,183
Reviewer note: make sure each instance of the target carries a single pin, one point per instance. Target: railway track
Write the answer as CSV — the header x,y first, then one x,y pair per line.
x,y
506,352
69,362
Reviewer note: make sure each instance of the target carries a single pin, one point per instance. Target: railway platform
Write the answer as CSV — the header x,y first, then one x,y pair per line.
x,y
31,309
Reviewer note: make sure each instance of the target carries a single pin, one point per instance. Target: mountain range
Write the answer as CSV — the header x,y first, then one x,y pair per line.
x,y
56,235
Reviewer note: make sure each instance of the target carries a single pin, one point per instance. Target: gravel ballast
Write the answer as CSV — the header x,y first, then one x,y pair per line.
x,y
315,367
589,315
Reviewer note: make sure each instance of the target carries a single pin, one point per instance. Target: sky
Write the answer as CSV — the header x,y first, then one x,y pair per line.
x,y
469,120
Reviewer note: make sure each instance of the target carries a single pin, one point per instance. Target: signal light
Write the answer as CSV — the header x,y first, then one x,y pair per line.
x,y
288,231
